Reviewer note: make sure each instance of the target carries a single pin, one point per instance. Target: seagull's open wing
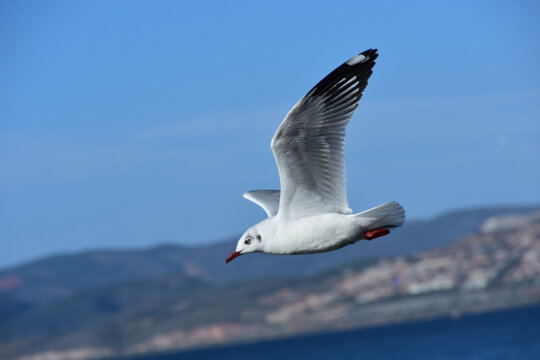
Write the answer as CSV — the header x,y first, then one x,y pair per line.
x,y
267,199
309,145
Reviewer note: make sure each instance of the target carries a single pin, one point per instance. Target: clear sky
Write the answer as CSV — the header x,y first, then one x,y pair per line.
x,y
130,123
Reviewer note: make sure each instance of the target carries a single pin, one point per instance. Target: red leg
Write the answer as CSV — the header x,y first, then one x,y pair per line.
x,y
373,234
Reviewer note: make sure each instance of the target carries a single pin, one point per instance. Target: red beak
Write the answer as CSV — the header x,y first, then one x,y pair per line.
x,y
234,254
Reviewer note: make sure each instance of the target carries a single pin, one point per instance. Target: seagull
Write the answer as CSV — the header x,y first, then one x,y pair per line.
x,y
311,213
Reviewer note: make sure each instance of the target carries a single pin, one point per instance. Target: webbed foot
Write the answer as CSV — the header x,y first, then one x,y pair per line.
x,y
373,234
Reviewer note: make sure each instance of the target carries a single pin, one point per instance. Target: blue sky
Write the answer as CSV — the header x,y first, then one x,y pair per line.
x,y
130,123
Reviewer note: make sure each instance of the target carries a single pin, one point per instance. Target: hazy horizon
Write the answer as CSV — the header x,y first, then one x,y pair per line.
x,y
178,242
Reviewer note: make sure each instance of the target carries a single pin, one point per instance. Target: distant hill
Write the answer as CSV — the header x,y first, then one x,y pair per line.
x,y
61,276
90,307
495,268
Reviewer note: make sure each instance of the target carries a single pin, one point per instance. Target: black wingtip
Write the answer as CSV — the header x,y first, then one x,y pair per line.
x,y
364,57
370,52
358,66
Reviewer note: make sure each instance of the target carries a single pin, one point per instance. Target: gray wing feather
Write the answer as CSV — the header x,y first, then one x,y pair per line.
x,y
309,145
267,199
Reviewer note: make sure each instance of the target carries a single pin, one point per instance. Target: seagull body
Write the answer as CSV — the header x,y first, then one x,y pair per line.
x,y
311,214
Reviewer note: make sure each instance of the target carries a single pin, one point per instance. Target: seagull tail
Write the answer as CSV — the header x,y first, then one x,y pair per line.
x,y
387,215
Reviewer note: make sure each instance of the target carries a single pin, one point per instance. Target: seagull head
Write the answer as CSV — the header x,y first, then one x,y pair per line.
x,y
250,242
258,238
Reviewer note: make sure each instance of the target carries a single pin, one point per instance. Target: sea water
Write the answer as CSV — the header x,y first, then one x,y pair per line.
x,y
511,334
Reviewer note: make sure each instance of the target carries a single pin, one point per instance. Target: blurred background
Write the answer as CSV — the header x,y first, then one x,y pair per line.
x,y
130,129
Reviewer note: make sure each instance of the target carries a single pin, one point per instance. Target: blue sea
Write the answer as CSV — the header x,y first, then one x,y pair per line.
x,y
512,334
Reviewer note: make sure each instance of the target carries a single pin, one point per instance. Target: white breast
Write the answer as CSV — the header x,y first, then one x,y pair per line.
x,y
314,234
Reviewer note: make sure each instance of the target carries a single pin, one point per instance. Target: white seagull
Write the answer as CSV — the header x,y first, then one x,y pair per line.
x,y
311,214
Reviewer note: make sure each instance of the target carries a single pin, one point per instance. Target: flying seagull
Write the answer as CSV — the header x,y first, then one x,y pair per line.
x,y
311,214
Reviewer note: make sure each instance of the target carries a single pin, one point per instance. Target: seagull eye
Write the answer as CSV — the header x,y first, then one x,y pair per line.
x,y
247,241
